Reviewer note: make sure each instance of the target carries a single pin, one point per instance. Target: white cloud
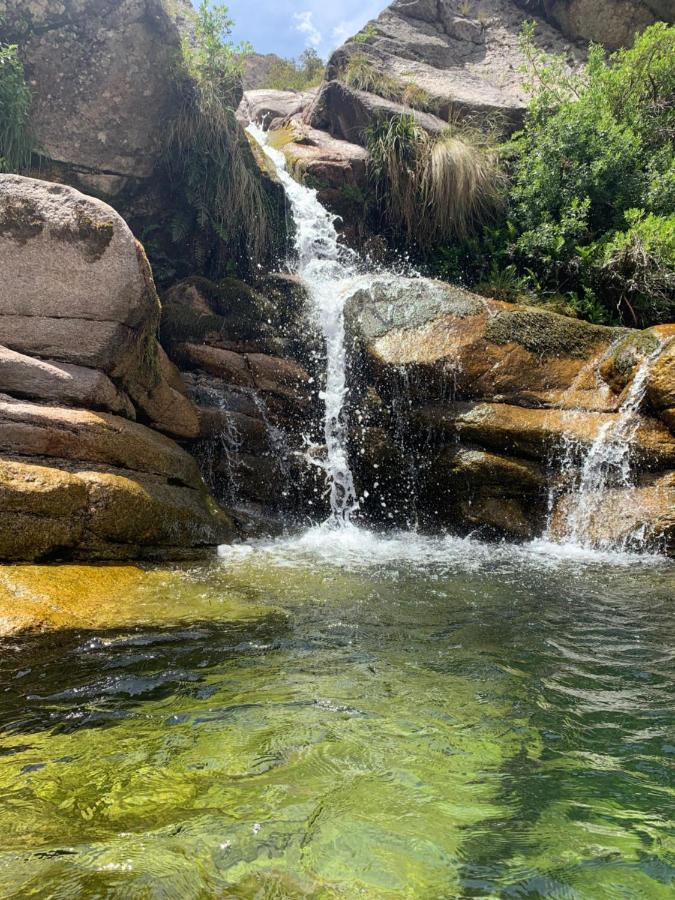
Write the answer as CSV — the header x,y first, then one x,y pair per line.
x,y
306,26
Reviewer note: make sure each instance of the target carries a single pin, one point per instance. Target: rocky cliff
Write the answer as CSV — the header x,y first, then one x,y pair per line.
x,y
483,416
89,402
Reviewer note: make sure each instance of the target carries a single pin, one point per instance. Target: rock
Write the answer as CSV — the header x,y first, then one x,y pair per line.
x,y
103,84
108,83
228,313
146,512
42,510
29,429
61,383
231,367
661,375
165,402
271,108
455,343
480,403
53,512
257,68
474,489
465,57
72,599
347,113
98,315
541,433
613,23
103,315
336,169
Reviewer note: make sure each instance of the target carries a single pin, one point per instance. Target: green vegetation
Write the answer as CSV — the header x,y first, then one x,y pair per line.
x,y
295,74
361,73
15,100
223,213
432,187
590,219
366,35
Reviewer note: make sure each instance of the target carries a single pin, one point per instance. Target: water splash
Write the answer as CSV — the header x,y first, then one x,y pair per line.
x,y
332,273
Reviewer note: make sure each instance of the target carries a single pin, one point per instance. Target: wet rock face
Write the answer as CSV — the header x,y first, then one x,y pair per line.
x,y
85,389
252,365
495,406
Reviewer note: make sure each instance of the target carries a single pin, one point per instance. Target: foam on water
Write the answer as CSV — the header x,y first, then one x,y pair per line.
x,y
353,548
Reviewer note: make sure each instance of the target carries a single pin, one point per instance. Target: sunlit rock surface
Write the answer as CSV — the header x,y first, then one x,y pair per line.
x,y
490,412
85,389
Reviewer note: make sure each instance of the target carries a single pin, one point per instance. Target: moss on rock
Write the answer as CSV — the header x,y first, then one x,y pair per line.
x,y
546,334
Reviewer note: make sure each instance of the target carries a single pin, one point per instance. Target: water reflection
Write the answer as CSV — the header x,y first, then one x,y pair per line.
x,y
448,721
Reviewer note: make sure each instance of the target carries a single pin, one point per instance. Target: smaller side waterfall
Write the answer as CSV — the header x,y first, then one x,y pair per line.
x,y
606,464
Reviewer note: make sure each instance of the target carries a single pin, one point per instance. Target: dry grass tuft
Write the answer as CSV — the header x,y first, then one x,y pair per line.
x,y
433,188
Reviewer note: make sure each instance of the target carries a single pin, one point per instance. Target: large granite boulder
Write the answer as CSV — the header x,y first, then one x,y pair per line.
x,y
77,289
464,58
80,369
108,84
613,23
102,77
500,406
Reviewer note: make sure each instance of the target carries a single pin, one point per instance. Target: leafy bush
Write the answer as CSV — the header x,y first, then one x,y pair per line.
x,y
593,181
15,100
295,75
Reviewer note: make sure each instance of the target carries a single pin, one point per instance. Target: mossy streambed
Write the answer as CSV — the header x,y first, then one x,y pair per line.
x,y
341,716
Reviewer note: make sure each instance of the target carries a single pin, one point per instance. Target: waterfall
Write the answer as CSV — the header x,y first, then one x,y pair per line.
x,y
332,273
607,462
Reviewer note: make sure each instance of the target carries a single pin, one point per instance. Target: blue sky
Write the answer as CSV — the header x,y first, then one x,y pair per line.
x,y
288,26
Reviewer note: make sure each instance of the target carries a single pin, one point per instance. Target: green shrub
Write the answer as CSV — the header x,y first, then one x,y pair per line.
x,y
15,100
366,35
593,181
635,268
295,74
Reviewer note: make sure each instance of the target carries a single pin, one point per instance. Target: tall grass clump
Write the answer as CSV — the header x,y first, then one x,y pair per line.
x,y
432,188
15,100
224,213
361,73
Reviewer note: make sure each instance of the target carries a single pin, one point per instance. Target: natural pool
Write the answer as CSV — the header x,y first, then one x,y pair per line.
x,y
346,716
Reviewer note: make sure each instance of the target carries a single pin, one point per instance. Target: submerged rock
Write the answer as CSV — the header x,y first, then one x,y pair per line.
x,y
79,598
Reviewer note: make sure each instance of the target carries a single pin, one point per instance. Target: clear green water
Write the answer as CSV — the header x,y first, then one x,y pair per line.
x,y
392,719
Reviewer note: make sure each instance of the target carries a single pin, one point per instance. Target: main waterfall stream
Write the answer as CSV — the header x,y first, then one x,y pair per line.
x,y
341,714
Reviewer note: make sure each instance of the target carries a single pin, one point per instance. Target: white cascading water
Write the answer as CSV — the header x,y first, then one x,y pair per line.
x,y
331,274
607,463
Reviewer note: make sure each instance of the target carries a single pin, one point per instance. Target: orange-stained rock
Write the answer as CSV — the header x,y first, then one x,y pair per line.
x,y
541,433
29,429
453,342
